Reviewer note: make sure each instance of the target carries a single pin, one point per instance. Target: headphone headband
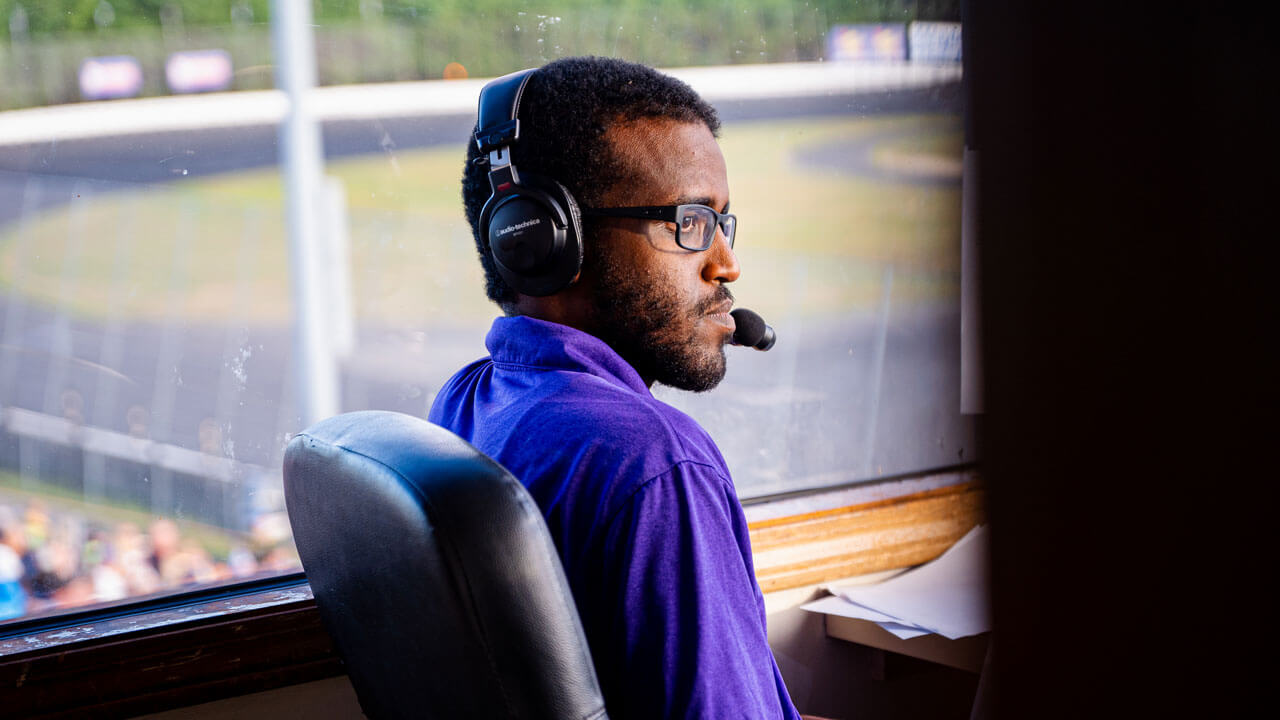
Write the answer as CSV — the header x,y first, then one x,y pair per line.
x,y
497,124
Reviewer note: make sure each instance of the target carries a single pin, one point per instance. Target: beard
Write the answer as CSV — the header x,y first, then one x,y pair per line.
x,y
648,327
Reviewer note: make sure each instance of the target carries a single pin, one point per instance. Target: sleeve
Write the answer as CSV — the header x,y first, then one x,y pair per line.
x,y
687,628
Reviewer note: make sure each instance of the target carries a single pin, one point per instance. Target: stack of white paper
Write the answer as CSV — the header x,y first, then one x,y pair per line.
x,y
947,596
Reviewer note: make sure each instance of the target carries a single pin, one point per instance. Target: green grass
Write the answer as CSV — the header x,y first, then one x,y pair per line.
x,y
810,240
945,143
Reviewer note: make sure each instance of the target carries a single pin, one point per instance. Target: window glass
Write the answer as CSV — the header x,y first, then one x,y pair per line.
x,y
148,373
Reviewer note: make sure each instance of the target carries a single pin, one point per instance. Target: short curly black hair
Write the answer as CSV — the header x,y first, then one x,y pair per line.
x,y
567,108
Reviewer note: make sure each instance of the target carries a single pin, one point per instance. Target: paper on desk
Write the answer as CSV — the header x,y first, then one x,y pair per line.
x,y
947,596
836,605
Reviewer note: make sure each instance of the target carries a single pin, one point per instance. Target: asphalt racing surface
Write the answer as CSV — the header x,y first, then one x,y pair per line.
x,y
840,398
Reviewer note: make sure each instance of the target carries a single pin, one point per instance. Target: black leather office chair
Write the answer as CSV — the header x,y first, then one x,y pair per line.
x,y
435,574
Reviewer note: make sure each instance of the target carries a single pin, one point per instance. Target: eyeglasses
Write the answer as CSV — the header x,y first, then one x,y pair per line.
x,y
695,224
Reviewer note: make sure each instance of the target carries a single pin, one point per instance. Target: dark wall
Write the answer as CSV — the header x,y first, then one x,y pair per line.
x,y
1127,230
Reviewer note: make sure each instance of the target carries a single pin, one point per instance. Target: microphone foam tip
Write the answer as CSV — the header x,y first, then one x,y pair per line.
x,y
750,327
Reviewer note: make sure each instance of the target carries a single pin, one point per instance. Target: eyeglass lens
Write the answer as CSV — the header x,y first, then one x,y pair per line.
x,y
698,227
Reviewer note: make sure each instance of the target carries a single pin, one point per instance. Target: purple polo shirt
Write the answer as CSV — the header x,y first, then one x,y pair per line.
x,y
641,507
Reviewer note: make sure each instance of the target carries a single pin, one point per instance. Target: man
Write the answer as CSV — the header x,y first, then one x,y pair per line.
x,y
637,497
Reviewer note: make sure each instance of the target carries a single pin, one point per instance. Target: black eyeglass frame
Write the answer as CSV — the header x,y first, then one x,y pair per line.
x,y
672,214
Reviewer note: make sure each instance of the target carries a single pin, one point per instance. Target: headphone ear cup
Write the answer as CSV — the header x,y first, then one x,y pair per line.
x,y
573,239
534,235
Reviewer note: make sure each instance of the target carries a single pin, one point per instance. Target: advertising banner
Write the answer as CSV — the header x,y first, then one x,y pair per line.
x,y
867,42
107,78
934,41
198,71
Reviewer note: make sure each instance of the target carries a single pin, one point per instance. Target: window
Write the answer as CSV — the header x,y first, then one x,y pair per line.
x,y
147,368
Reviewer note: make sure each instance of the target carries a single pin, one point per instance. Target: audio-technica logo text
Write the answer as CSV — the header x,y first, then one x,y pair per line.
x,y
519,226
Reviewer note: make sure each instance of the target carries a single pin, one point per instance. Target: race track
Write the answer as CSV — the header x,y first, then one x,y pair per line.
x,y
841,398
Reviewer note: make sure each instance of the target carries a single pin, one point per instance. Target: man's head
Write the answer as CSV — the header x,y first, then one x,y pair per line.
x,y
616,134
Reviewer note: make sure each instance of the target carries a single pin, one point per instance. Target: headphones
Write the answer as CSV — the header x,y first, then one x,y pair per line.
x,y
532,225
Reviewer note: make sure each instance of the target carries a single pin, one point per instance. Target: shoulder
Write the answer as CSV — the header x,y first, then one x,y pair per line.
x,y
614,441
451,407
460,383
688,493
632,423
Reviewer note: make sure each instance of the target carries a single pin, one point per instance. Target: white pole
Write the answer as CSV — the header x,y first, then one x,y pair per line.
x,y
337,268
302,161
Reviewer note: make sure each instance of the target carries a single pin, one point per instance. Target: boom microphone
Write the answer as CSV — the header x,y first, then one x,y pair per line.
x,y
751,330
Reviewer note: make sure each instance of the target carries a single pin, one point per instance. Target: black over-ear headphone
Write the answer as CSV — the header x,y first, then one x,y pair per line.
x,y
532,225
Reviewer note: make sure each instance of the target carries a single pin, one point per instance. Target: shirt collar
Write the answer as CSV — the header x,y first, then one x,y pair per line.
x,y
527,341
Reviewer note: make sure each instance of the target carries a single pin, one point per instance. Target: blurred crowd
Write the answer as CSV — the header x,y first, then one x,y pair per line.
x,y
52,560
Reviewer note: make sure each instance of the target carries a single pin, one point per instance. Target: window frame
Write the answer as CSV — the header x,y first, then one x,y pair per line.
x,y
165,653
172,651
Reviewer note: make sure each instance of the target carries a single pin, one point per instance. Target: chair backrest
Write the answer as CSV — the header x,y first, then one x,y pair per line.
x,y
435,574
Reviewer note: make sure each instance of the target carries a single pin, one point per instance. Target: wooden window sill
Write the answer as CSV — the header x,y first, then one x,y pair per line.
x,y
870,537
